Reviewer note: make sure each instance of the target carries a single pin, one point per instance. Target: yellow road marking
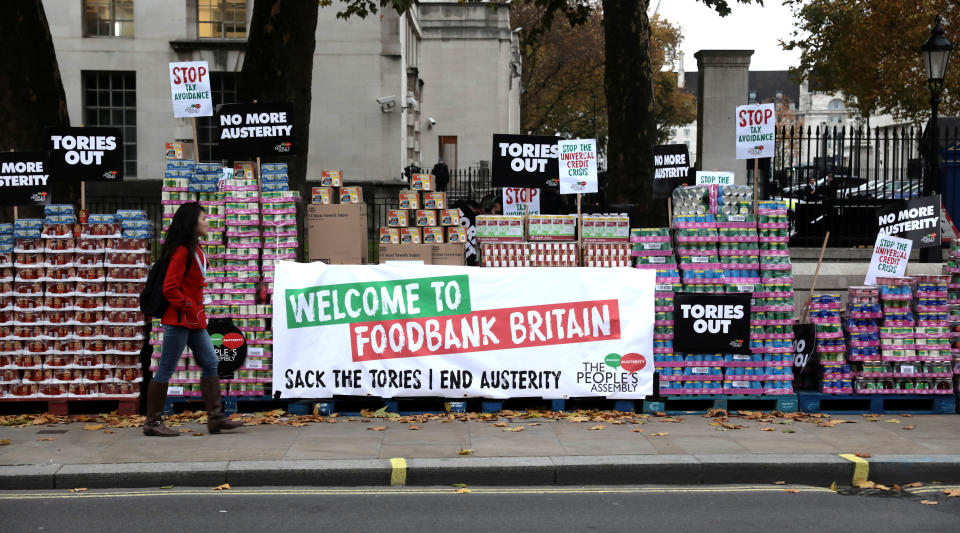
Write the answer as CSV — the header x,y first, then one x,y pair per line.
x,y
404,491
399,474
861,468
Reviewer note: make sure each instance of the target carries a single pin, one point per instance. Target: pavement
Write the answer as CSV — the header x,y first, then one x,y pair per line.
x,y
602,448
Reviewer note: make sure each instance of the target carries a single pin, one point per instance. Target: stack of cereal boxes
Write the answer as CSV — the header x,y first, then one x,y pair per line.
x,y
423,216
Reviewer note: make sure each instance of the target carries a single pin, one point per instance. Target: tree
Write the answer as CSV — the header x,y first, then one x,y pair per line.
x,y
870,51
31,91
272,74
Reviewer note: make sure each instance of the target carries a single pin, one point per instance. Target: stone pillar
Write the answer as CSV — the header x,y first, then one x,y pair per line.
x,y
722,86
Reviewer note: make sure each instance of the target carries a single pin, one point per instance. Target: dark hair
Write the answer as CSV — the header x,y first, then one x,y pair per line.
x,y
183,230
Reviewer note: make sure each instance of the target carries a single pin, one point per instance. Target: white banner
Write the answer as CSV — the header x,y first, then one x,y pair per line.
x,y
190,89
450,331
578,166
756,135
518,200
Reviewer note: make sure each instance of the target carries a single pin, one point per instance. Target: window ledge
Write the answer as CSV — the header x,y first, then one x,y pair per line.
x,y
189,45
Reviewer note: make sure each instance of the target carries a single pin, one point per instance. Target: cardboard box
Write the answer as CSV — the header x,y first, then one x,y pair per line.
x,y
447,254
410,236
426,217
433,235
180,150
457,234
434,200
389,235
331,178
422,182
337,234
243,170
449,217
351,195
405,252
409,200
321,195
398,218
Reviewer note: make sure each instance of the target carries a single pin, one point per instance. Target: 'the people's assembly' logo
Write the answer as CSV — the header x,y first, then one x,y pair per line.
x,y
617,373
630,362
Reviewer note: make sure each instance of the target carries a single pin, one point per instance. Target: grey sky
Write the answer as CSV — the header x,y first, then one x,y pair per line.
x,y
749,27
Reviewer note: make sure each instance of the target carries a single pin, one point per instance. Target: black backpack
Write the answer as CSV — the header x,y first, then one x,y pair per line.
x,y
152,302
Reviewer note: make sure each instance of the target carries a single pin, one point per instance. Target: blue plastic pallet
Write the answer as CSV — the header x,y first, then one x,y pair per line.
x,y
920,404
231,404
630,406
786,403
401,406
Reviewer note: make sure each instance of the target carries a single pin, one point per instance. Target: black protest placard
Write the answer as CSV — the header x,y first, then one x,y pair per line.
x,y
805,356
229,344
525,161
255,130
712,323
671,168
85,154
24,178
917,219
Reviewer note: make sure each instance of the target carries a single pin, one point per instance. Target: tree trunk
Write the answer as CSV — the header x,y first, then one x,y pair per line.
x,y
31,91
278,67
628,83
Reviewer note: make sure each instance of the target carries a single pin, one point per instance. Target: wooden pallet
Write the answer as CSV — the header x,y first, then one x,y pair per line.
x,y
695,403
929,404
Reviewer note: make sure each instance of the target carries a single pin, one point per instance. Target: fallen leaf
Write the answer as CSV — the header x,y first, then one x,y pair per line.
x,y
199,434
377,428
787,431
831,423
81,489
167,487
928,502
767,429
538,423
863,455
833,486
597,428
4,442
659,413
465,451
795,491
779,482
225,486
459,485
464,491
866,485
908,428
414,428
913,485
658,434
897,488
93,427
109,431
514,430
952,493
906,415
578,418
935,483
881,487
636,430
500,425
892,421
185,430
46,439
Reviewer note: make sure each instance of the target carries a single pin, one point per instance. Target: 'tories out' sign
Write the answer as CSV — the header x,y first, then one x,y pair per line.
x,y
255,130
756,125
24,179
524,161
190,89
712,323
401,330
578,166
85,154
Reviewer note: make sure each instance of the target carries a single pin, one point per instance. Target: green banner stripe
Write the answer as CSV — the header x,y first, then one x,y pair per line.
x,y
372,301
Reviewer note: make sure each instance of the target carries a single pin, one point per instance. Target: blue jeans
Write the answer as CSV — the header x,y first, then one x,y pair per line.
x,y
175,339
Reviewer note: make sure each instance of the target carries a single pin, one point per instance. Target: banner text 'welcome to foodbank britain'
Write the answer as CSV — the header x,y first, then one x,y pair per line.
x,y
400,330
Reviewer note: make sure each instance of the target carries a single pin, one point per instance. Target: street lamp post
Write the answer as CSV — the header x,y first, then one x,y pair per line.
x,y
936,55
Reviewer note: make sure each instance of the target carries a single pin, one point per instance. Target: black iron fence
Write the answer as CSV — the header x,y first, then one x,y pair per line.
x,y
834,179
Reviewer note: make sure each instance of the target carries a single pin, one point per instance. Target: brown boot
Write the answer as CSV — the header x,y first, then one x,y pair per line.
x,y
156,398
216,420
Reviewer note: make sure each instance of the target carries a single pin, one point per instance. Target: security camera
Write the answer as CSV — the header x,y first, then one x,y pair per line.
x,y
432,121
383,100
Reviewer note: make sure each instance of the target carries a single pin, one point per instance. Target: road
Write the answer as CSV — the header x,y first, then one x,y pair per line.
x,y
414,510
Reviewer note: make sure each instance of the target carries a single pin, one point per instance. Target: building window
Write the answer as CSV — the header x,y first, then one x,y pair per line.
x,y
686,132
110,99
223,90
835,105
222,19
108,18
779,95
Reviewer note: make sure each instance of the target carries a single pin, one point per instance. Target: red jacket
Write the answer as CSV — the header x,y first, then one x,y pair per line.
x,y
185,292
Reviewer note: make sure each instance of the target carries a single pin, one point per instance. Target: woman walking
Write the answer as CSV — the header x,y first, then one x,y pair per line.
x,y
185,323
